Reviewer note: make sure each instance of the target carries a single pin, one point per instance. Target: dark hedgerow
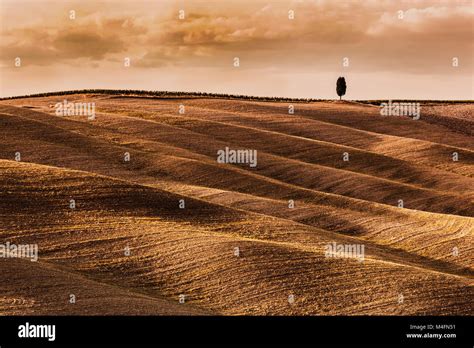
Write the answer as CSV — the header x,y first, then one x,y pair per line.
x,y
176,94
164,94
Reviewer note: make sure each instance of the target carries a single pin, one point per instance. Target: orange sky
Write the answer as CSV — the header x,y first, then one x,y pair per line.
x,y
391,54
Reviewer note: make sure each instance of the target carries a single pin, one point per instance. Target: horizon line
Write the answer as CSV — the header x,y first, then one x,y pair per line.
x,y
164,94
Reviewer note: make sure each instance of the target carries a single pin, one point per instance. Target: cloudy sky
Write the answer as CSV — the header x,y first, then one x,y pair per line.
x,y
392,49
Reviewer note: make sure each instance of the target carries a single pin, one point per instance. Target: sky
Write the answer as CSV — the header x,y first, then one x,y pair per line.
x,y
385,49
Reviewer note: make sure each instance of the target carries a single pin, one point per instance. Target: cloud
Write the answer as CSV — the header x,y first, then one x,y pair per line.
x,y
321,34
93,39
72,45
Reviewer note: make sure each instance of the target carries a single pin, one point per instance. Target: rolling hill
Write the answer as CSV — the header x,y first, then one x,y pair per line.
x,y
173,231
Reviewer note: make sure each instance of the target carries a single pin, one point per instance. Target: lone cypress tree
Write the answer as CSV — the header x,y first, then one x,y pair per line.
x,y
341,87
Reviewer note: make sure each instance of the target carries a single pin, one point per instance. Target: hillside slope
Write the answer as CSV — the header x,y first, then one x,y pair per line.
x,y
127,241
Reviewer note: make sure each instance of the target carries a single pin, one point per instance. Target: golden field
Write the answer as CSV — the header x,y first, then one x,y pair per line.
x,y
410,267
